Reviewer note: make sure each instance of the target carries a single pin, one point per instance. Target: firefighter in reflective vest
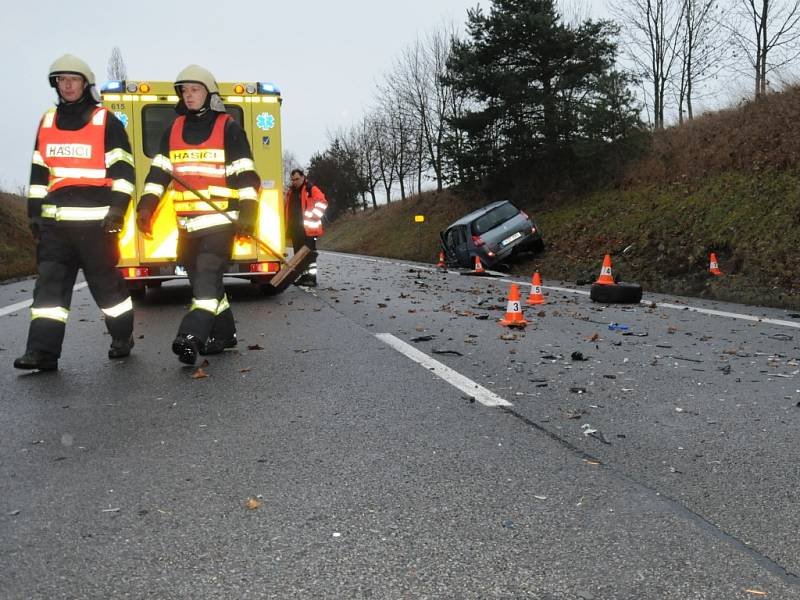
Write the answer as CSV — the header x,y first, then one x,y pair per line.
x,y
208,150
305,206
80,187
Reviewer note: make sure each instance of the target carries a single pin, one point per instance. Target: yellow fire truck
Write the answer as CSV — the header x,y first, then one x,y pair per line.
x,y
146,109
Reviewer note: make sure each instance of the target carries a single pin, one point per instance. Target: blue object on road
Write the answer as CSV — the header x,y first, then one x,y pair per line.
x,y
618,327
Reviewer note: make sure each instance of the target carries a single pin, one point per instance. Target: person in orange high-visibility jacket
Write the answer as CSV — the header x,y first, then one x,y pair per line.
x,y
208,150
305,206
81,183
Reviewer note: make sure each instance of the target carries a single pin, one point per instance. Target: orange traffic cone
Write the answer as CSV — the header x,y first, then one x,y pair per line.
x,y
514,316
478,266
713,266
536,296
441,263
605,273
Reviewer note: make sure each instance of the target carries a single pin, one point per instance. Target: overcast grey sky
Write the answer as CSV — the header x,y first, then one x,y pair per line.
x,y
324,56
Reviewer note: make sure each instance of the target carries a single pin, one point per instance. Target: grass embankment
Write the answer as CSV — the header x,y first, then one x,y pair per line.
x,y
726,182
17,251
659,236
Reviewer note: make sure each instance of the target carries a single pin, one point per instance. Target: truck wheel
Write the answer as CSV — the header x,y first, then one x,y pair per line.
x,y
267,289
617,293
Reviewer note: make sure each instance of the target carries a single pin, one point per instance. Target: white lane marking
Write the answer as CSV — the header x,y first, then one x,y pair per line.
x,y
454,378
12,308
697,309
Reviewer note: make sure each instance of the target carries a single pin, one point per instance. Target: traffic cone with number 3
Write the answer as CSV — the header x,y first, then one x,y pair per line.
x,y
514,316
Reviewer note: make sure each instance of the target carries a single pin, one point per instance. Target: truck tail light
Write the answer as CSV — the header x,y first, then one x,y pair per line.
x,y
135,272
476,239
265,267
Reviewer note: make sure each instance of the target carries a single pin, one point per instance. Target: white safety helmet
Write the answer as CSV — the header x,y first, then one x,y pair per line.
x,y
72,65
197,74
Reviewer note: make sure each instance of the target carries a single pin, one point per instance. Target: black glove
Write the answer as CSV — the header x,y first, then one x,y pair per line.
x,y
144,221
248,212
36,229
113,222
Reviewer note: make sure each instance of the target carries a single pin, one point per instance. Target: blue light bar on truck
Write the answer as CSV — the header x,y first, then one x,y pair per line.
x,y
268,88
113,86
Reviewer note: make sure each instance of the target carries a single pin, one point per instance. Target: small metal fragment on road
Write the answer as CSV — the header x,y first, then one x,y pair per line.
x,y
509,524
578,356
110,510
255,347
508,336
782,337
577,390
755,592
423,338
14,513
453,352
635,333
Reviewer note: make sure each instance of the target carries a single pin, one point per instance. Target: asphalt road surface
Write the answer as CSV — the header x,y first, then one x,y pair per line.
x,y
381,436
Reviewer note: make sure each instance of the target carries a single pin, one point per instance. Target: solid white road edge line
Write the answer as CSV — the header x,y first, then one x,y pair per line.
x,y
12,308
705,311
454,378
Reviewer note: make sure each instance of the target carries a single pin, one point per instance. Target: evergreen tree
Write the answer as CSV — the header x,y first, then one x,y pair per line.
x,y
336,173
540,90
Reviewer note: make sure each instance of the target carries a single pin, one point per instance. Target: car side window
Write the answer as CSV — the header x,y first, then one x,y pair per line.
x,y
460,236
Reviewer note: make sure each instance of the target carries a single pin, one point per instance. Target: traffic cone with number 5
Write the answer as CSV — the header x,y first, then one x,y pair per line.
x,y
536,296
514,316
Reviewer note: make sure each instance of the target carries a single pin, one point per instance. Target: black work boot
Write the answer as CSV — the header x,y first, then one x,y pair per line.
x,y
216,346
186,347
36,359
120,348
307,279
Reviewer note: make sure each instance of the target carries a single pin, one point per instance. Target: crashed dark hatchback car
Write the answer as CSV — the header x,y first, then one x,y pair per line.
x,y
494,233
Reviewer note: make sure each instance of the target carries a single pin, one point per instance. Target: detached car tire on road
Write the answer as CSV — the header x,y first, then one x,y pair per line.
x,y
493,233
617,293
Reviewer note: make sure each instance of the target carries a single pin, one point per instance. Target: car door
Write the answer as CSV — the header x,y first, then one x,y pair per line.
x,y
458,242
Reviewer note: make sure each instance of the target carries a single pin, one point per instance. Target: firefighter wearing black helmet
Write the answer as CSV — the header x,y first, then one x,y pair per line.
x,y
80,188
208,150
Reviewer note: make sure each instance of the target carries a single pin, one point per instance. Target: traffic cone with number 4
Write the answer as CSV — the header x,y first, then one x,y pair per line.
x,y
536,296
514,316
605,272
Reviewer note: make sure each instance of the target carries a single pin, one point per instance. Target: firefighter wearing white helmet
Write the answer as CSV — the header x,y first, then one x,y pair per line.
x,y
80,188
208,150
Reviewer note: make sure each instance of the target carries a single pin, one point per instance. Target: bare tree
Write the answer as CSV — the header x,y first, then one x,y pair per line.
x,y
702,52
290,162
654,30
768,34
384,154
116,66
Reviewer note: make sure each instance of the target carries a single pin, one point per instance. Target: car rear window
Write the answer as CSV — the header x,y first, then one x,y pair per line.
x,y
494,217
157,117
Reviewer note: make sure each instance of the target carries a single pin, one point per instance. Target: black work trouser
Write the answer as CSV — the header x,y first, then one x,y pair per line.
x,y
206,255
61,252
300,239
